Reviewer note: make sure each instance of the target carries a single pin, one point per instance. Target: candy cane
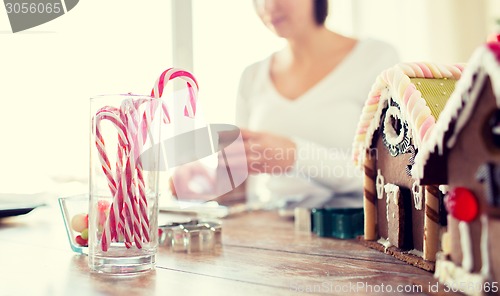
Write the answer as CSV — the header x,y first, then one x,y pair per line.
x,y
133,221
138,131
110,232
169,74
105,114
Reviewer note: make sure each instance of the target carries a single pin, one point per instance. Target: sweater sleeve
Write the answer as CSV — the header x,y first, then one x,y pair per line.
x,y
331,168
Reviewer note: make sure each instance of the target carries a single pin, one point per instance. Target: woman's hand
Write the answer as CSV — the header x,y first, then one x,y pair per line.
x,y
263,153
268,153
193,181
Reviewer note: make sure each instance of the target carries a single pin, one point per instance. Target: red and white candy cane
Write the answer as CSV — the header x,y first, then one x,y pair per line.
x,y
137,124
192,85
131,117
111,227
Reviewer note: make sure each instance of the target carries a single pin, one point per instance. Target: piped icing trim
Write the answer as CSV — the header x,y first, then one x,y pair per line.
x,y
482,64
416,253
450,274
466,244
443,189
391,191
395,83
485,251
379,184
384,242
417,195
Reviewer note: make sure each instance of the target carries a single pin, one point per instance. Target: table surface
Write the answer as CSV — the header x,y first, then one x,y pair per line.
x,y
261,254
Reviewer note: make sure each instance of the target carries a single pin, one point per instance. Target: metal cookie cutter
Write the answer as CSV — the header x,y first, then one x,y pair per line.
x,y
192,236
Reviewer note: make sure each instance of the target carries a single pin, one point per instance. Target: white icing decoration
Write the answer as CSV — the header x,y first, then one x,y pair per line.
x,y
443,189
416,253
450,274
391,135
485,255
466,244
417,195
380,185
384,242
391,190
467,110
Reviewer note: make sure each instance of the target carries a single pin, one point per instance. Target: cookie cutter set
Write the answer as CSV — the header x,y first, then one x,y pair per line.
x,y
191,236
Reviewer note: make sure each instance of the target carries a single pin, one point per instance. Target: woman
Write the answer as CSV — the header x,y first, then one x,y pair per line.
x,y
298,108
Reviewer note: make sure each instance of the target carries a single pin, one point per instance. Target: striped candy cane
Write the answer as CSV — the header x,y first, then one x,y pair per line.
x,y
138,129
110,231
192,85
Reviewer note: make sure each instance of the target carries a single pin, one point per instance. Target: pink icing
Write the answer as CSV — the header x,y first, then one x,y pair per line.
x,y
418,71
428,133
417,109
430,121
408,92
427,72
413,99
373,100
460,66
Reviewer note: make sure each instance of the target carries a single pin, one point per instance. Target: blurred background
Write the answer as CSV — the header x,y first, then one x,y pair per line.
x,y
48,73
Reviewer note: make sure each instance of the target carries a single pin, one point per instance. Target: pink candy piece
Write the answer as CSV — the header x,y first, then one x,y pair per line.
x,y
427,72
430,121
408,92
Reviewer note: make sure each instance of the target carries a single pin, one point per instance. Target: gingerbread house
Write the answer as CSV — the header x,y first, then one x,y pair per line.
x,y
466,142
402,217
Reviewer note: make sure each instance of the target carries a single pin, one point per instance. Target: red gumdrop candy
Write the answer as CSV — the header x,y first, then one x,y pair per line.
x,y
462,204
495,48
82,242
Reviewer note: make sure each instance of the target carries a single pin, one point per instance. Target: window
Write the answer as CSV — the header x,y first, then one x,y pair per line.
x,y
49,72
227,36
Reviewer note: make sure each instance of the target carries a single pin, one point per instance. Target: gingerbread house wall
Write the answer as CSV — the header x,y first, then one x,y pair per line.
x,y
393,170
470,151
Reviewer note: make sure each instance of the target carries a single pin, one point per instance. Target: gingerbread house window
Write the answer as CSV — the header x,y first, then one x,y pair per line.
x,y
395,130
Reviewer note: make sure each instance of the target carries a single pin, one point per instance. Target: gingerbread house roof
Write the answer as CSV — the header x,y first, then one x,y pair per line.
x,y
484,63
419,89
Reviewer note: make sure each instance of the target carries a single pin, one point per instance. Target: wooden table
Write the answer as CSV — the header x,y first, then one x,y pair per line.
x,y
261,255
